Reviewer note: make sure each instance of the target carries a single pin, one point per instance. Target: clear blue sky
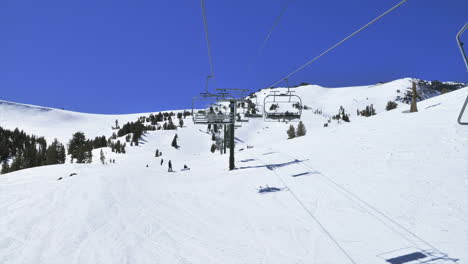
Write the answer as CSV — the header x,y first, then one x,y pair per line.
x,y
115,56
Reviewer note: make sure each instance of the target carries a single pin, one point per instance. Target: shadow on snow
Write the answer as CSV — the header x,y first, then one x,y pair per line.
x,y
273,166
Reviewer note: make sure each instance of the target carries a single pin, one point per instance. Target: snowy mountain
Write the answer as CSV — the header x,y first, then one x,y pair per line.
x,y
390,188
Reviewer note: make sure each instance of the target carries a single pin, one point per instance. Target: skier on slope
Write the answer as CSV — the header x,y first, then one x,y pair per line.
x,y
162,161
170,166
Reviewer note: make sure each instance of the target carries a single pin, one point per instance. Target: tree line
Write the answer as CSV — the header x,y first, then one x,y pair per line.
x,y
19,150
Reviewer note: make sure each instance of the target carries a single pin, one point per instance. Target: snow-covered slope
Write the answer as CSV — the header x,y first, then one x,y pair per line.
x,y
360,192
56,123
352,98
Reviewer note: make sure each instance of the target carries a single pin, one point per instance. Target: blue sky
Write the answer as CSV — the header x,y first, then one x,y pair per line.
x,y
114,56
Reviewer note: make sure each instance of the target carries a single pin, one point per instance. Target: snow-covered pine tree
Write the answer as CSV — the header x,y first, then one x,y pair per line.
x,y
301,130
174,142
291,132
55,153
391,105
103,158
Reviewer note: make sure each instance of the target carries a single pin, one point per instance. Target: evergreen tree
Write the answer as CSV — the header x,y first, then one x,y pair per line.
x,y
103,158
88,156
136,139
5,167
61,154
213,148
55,153
76,146
369,111
118,147
174,142
291,132
301,130
80,149
181,122
391,105
17,163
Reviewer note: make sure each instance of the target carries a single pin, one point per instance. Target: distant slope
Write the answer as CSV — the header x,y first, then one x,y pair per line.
x,y
358,97
56,123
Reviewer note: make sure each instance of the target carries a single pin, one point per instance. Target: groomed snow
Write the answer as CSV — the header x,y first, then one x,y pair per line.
x,y
358,192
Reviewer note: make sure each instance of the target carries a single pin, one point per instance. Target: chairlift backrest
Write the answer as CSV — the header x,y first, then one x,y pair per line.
x,y
284,107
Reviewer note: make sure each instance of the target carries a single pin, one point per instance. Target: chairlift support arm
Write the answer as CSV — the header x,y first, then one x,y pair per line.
x,y
460,44
462,50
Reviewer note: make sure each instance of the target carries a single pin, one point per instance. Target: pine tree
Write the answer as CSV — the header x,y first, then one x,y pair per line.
x,y
391,105
174,142
213,148
291,132
301,130
181,122
62,155
5,167
52,153
17,163
118,147
103,158
80,149
136,139
76,146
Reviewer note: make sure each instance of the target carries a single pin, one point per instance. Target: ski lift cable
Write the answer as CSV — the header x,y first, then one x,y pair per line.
x,y
270,32
208,43
339,43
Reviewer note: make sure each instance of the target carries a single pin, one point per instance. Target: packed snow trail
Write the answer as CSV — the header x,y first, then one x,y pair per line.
x,y
360,226
376,185
113,214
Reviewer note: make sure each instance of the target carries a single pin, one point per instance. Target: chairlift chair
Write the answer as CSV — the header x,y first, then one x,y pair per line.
x,y
257,113
282,107
206,111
